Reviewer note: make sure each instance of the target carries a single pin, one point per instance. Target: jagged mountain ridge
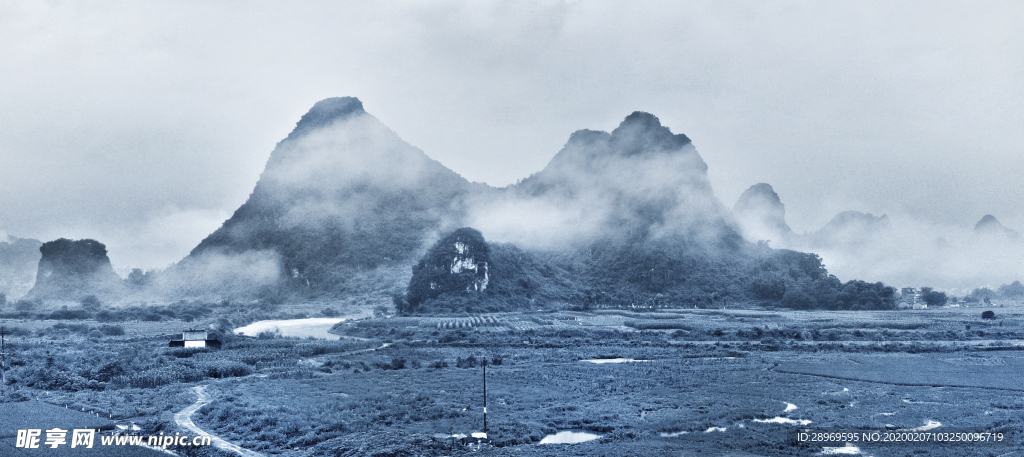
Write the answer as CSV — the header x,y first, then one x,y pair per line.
x,y
343,193
638,182
346,207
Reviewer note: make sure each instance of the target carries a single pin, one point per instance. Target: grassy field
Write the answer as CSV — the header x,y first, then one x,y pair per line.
x,y
713,380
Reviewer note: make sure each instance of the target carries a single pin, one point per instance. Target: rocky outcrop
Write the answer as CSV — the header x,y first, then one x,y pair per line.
x,y
70,270
460,262
761,215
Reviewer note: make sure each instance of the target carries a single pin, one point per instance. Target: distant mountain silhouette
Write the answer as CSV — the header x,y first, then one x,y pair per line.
x,y
761,215
19,260
989,226
71,270
850,228
341,193
345,208
638,182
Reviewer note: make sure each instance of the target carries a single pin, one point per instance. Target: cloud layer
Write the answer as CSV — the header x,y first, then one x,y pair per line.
x,y
117,115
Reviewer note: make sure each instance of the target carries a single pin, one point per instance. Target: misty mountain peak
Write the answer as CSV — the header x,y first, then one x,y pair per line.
x,y
642,132
639,181
756,194
639,134
986,222
851,228
761,214
326,112
342,193
989,225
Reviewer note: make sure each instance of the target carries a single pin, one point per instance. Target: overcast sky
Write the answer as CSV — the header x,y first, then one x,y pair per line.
x,y
146,124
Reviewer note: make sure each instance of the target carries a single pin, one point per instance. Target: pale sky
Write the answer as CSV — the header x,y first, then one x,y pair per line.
x,y
145,124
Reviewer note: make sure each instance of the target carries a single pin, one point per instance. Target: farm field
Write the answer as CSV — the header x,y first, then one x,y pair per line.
x,y
717,382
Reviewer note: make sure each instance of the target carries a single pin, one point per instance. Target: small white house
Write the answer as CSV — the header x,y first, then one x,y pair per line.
x,y
195,339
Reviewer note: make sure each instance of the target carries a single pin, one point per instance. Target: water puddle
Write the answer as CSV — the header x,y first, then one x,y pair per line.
x,y
849,449
783,420
789,407
673,434
569,438
613,360
714,429
930,425
315,327
914,402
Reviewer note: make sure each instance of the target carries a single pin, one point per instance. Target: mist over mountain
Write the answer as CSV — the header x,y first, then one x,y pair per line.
x,y
761,215
341,195
850,229
639,182
345,208
990,227
901,252
19,260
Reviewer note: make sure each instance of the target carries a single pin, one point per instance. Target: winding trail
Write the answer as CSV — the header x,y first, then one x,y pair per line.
x,y
184,419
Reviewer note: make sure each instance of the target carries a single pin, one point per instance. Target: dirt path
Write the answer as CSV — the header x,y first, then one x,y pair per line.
x,y
184,419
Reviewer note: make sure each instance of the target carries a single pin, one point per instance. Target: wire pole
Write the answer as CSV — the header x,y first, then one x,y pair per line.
x,y
485,395
3,358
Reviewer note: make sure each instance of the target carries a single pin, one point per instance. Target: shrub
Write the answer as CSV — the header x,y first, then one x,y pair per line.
x,y
1016,289
397,363
468,362
64,313
27,305
658,325
90,302
982,294
151,317
108,316
988,315
933,298
269,334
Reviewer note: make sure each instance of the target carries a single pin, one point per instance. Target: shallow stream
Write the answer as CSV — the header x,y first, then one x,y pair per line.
x,y
315,327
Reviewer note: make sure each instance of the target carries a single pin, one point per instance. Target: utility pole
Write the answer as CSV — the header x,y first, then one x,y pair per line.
x,y
485,395
3,358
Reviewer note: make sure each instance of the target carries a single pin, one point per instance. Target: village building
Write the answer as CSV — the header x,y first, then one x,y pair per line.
x,y
909,295
195,339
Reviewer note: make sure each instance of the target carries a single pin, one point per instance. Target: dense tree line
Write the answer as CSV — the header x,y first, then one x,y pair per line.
x,y
638,274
